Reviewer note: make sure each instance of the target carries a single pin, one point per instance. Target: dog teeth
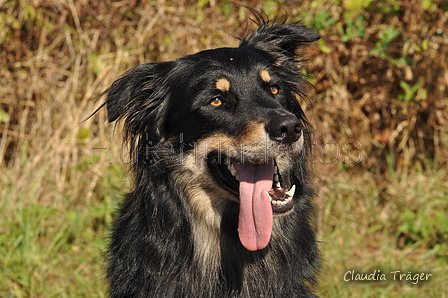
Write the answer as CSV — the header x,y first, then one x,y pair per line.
x,y
291,192
232,170
287,197
277,202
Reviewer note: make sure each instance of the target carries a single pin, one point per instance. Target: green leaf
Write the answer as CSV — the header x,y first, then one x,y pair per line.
x,y
323,47
408,215
355,5
4,116
83,134
270,8
29,12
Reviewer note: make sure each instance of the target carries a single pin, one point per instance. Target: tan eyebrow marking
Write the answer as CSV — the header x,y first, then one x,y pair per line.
x,y
223,84
265,76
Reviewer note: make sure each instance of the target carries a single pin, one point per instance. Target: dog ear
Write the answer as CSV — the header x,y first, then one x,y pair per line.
x,y
279,42
138,97
130,88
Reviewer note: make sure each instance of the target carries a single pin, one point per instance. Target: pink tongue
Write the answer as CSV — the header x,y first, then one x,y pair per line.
x,y
255,218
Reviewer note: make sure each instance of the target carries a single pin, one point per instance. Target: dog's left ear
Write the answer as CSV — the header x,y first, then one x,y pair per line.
x,y
279,42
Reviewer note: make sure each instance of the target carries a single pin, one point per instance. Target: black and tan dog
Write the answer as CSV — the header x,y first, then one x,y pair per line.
x,y
221,202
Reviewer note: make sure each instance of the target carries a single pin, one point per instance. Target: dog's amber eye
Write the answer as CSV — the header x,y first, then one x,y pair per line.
x,y
274,89
216,102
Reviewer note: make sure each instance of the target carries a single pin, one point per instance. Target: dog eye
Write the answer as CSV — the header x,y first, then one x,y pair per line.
x,y
216,102
274,89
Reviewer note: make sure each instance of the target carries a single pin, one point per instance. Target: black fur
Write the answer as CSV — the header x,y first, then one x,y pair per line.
x,y
162,245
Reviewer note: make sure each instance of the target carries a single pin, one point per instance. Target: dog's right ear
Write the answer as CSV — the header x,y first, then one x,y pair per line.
x,y
138,97
130,88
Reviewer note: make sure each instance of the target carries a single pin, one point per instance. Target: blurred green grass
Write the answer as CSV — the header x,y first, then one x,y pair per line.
x,y
380,76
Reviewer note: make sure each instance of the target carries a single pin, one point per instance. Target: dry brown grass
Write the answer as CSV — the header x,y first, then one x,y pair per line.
x,y
67,52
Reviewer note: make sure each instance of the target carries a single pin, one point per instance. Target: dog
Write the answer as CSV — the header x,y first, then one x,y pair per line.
x,y
222,198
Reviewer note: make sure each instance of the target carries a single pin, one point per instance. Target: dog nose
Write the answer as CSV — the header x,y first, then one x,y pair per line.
x,y
284,128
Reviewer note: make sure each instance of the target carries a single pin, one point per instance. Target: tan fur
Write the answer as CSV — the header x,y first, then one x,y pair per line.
x,y
265,76
223,84
205,200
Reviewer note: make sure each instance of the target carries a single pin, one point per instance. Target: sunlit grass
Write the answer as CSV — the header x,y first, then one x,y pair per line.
x,y
361,231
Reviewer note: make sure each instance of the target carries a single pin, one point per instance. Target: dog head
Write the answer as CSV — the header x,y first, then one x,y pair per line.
x,y
232,119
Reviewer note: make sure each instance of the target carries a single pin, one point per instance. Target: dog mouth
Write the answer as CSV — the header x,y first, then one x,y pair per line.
x,y
261,192
223,169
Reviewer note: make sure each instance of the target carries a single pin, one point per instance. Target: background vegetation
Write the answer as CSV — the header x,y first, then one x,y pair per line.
x,y
380,74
